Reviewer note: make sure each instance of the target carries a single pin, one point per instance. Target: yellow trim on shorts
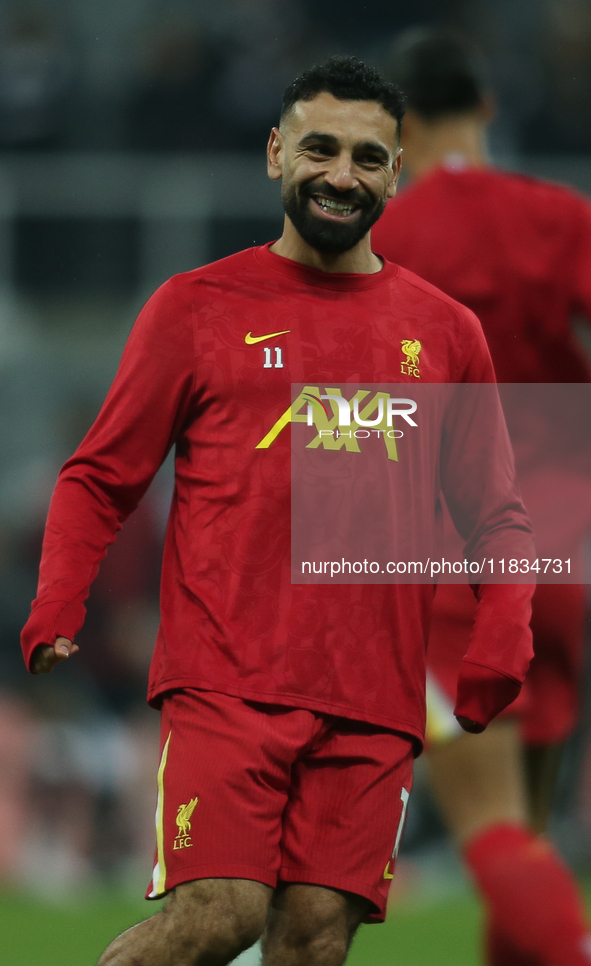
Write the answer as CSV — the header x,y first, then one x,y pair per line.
x,y
160,884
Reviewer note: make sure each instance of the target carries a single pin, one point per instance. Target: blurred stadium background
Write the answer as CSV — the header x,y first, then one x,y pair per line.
x,y
132,143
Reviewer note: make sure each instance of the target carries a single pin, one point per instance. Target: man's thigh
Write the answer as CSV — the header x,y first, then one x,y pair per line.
x,y
478,780
223,784
346,810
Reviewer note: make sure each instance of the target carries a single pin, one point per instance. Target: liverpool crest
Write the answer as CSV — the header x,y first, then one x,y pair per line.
x,y
183,820
411,349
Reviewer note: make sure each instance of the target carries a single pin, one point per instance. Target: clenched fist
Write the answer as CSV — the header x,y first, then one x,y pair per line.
x,y
46,657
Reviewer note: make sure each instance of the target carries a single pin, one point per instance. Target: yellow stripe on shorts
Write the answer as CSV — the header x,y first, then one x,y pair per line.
x,y
159,877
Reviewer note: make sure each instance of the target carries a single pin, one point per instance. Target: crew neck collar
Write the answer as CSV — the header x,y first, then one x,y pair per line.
x,y
339,281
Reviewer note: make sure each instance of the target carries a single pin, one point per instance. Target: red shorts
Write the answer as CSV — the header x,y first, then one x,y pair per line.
x,y
264,792
548,705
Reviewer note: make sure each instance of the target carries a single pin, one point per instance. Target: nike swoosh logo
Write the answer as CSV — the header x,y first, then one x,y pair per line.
x,y
251,339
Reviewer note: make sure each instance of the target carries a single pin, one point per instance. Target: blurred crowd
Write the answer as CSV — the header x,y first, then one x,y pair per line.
x,y
189,75
77,753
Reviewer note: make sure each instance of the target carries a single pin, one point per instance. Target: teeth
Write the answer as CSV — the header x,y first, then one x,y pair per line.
x,y
327,204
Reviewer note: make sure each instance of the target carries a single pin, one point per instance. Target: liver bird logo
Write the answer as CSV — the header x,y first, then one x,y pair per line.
x,y
411,349
183,816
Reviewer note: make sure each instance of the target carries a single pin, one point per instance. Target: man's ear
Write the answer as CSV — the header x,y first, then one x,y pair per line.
x,y
396,166
275,155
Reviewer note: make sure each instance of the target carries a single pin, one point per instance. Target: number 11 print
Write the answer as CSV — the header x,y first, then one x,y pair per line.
x,y
268,364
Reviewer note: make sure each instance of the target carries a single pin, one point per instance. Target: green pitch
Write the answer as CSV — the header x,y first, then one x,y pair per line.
x,y
35,933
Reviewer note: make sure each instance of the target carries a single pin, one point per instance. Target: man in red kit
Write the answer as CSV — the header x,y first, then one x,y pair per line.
x,y
282,783
518,252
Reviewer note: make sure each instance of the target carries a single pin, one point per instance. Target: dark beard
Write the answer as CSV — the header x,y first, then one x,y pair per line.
x,y
330,238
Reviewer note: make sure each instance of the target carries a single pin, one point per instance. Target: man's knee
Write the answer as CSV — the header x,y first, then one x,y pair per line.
x,y
327,947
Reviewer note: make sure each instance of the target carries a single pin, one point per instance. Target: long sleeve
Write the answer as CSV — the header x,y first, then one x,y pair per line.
x,y
478,481
142,417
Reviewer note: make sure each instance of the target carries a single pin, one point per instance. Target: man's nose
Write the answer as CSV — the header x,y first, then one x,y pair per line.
x,y
341,174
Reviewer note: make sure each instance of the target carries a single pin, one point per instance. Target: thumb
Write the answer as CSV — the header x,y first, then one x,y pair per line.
x,y
46,656
63,647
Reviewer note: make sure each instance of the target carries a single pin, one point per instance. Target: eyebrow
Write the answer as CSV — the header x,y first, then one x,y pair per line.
x,y
374,146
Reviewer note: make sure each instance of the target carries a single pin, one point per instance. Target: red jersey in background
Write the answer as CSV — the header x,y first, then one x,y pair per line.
x,y
517,251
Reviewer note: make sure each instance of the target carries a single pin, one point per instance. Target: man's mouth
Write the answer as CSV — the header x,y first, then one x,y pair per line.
x,y
339,210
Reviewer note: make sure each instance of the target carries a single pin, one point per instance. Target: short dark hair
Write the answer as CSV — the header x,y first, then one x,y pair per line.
x,y
441,72
347,79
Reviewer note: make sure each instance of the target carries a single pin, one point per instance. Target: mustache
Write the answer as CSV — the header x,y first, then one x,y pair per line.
x,y
354,195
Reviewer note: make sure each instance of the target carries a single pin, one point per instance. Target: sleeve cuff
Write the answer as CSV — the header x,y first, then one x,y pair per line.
x,y
483,693
57,618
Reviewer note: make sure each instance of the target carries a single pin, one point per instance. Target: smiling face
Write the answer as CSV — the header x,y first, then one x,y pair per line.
x,y
339,161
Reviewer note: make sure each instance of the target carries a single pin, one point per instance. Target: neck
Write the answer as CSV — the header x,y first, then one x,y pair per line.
x,y
359,259
431,144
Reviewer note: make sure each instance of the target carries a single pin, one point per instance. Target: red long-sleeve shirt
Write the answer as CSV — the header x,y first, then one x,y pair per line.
x,y
208,369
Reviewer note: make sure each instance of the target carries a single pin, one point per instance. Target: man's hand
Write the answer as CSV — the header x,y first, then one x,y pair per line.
x,y
468,725
45,657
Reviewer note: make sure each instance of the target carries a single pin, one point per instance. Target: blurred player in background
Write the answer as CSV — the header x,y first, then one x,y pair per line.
x,y
282,782
518,252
